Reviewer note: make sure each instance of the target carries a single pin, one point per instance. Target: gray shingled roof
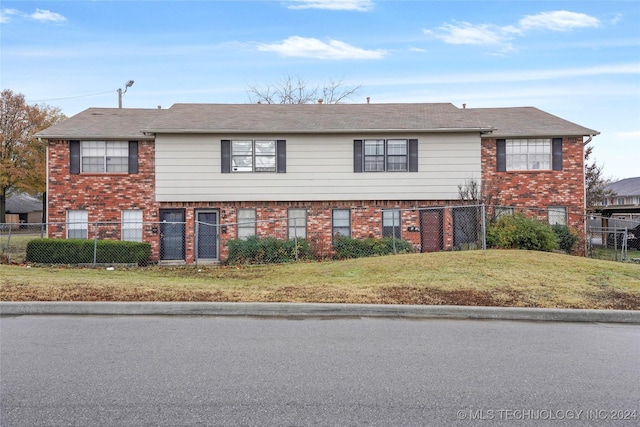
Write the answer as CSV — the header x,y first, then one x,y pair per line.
x,y
22,203
115,123
527,121
313,118
103,123
625,187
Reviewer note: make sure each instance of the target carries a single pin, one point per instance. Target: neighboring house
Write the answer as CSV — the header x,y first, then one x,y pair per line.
x,y
329,168
23,208
625,202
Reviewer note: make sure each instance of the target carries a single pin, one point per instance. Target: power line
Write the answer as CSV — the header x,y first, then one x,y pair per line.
x,y
69,97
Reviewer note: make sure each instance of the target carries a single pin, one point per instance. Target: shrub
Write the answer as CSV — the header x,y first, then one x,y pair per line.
x,y
80,251
566,238
346,247
268,250
519,232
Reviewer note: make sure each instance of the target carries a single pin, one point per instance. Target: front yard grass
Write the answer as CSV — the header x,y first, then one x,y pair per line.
x,y
509,278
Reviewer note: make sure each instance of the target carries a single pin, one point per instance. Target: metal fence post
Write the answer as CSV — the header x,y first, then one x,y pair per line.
x,y
295,237
393,238
196,240
95,243
483,212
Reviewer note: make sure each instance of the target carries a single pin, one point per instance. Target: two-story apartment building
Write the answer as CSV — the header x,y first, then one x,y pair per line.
x,y
350,169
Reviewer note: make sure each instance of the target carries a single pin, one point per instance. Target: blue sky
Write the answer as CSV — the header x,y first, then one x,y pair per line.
x,y
579,60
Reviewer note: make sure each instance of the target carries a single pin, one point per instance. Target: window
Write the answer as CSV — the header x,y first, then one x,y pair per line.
x,y
381,155
103,157
341,223
297,223
132,225
246,223
503,211
253,156
77,225
391,223
529,154
390,155
620,200
557,215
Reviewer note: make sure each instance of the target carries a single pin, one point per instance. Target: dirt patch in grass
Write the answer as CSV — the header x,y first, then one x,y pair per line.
x,y
430,296
615,300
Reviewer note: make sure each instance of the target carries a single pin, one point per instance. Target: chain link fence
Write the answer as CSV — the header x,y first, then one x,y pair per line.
x,y
618,241
332,234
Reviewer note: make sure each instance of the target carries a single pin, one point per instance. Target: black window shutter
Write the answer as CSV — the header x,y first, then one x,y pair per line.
x,y
74,156
133,156
501,155
556,157
281,156
225,156
357,155
413,155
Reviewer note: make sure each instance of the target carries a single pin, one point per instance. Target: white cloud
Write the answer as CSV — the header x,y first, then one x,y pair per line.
x,y
559,20
467,33
47,15
357,5
5,15
302,47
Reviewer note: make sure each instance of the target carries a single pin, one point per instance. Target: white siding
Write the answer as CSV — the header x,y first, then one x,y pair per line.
x,y
318,168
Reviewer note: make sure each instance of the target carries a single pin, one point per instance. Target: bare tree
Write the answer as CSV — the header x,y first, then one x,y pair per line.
x,y
296,90
594,182
22,157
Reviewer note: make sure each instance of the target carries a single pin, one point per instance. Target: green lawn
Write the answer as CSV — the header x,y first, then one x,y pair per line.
x,y
488,278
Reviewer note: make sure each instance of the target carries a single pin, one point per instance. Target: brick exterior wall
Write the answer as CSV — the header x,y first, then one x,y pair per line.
x,y
105,196
540,189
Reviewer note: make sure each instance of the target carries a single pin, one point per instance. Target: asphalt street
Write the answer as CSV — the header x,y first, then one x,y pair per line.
x,y
228,371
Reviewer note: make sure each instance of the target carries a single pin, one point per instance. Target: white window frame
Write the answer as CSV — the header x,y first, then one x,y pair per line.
x,y
104,156
246,223
557,215
131,225
77,224
297,219
385,155
341,227
253,155
529,154
392,220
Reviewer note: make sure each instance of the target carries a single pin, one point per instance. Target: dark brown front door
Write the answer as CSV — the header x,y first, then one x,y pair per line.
x,y
431,230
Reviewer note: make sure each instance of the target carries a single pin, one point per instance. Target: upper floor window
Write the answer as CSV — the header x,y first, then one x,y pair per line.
x,y
620,201
529,154
385,155
103,157
253,156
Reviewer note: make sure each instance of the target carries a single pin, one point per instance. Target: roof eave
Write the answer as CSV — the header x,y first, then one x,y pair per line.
x,y
302,131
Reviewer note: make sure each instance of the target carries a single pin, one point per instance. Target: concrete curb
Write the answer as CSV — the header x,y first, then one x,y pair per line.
x,y
316,310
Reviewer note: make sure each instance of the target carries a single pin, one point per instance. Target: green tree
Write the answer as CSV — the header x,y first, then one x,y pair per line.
x,y
22,157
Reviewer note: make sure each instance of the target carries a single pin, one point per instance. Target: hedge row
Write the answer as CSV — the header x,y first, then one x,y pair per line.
x,y
81,251
346,247
267,251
